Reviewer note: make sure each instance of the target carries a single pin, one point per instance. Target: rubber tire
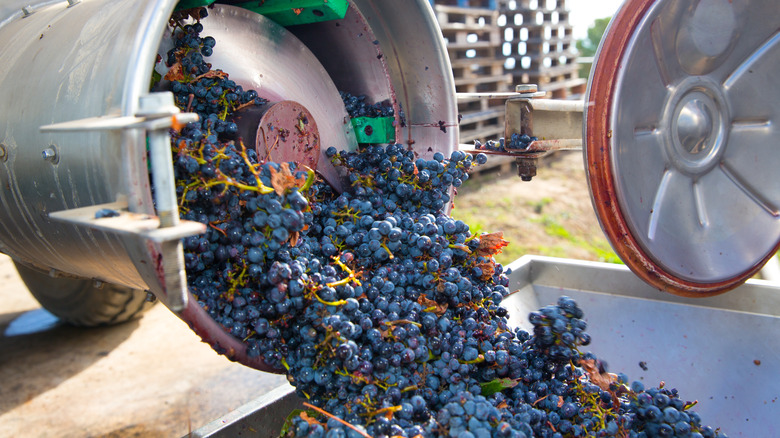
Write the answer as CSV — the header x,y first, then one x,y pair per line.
x,y
78,301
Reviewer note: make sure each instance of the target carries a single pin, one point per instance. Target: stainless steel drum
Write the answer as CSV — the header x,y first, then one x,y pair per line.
x,y
83,69
682,140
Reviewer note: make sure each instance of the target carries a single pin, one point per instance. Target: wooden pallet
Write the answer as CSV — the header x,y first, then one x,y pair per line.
x,y
482,125
484,84
477,68
458,18
487,4
560,83
526,4
473,39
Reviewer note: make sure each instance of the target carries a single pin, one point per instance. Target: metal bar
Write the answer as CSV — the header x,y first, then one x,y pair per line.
x,y
559,105
123,222
161,106
498,95
568,144
110,123
102,123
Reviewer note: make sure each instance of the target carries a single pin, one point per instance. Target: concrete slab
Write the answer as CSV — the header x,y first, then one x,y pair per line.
x,y
151,377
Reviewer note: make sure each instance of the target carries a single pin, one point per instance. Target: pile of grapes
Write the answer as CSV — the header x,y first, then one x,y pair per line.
x,y
516,142
357,106
384,312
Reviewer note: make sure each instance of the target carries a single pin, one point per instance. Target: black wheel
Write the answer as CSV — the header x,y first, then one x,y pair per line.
x,y
82,302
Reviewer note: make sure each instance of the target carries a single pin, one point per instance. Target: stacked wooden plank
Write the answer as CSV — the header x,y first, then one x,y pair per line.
x,y
539,47
473,38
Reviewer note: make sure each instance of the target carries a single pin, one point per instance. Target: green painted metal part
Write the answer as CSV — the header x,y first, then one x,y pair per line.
x,y
285,12
376,130
292,12
188,4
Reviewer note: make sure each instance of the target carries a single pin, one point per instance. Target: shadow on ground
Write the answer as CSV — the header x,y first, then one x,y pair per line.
x,y
30,339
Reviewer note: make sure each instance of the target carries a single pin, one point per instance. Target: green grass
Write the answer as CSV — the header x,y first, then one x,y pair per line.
x,y
539,205
599,247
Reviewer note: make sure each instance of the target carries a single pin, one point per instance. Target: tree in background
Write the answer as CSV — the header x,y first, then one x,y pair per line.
x,y
587,46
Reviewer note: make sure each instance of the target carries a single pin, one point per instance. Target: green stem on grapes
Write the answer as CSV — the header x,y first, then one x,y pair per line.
x,y
251,333
310,178
460,246
389,253
479,359
351,275
388,410
330,303
402,321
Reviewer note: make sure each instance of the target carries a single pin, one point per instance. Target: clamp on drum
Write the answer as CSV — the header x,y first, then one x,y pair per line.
x,y
556,124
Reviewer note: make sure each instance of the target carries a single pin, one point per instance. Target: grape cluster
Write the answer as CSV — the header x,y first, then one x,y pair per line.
x,y
384,312
357,106
198,88
516,142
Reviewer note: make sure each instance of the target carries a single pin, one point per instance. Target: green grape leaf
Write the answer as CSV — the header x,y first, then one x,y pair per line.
x,y
497,385
156,78
304,413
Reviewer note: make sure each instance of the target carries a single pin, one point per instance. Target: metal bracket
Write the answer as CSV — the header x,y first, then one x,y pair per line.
x,y
157,113
526,91
557,124
115,218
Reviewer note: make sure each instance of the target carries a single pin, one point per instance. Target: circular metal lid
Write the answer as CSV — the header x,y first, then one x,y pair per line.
x,y
682,144
280,131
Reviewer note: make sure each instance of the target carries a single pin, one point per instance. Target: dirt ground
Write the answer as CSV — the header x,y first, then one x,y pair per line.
x,y
551,215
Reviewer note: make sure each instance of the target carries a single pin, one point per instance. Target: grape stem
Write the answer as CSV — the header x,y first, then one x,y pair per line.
x,y
402,321
389,253
389,411
479,359
329,415
211,224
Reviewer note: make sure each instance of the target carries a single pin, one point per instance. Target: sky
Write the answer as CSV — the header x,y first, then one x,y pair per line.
x,y
582,13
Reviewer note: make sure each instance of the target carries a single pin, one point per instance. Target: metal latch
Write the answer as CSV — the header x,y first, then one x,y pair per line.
x,y
554,123
157,113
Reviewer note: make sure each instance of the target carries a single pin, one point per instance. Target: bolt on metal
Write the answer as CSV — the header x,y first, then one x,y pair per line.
x,y
50,154
526,168
27,11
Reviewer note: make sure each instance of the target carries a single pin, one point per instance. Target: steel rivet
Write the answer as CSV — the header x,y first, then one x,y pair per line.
x,y
50,154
